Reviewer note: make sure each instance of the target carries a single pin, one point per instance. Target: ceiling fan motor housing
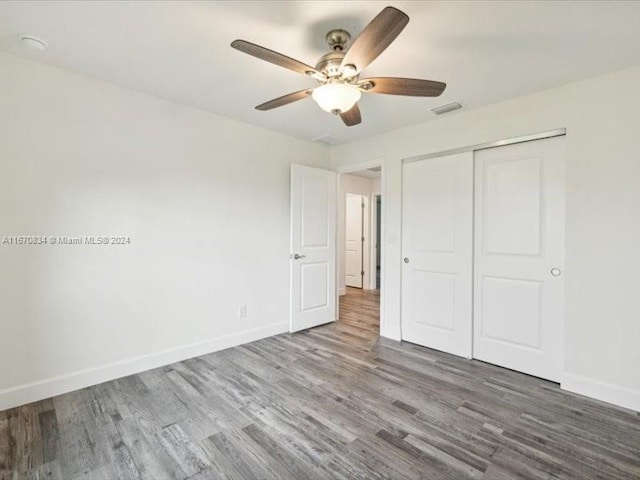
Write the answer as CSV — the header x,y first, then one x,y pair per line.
x,y
330,63
338,40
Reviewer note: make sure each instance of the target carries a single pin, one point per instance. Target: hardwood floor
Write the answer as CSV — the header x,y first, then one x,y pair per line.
x,y
361,308
332,402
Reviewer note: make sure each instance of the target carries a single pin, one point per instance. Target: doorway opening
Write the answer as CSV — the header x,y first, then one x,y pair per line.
x,y
359,247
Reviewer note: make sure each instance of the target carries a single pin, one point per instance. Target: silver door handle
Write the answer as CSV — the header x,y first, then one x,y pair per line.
x,y
406,259
556,272
298,257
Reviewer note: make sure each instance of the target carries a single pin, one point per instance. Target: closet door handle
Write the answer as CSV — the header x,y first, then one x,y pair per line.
x,y
406,259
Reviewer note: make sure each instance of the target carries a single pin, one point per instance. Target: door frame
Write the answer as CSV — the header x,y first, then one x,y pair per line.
x,y
373,263
355,167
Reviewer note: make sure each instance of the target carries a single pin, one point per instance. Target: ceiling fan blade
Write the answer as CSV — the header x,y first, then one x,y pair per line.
x,y
276,58
352,117
411,87
284,100
375,38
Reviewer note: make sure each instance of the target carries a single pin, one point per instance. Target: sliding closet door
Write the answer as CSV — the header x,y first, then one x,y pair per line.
x,y
437,229
519,257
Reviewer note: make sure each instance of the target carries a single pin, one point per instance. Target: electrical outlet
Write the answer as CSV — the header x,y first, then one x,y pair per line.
x,y
242,311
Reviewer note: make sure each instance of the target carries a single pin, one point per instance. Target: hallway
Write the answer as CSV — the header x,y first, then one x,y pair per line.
x,y
361,308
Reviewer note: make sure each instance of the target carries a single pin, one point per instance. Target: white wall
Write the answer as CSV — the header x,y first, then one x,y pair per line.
x,y
375,185
360,186
601,116
204,199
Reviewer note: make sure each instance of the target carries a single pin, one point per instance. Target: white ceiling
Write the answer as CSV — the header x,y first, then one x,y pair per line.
x,y
485,51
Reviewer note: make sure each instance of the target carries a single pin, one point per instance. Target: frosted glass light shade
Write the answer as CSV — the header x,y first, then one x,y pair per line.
x,y
336,97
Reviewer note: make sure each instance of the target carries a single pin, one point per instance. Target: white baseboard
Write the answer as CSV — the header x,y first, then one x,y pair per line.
x,y
390,332
607,392
31,392
342,291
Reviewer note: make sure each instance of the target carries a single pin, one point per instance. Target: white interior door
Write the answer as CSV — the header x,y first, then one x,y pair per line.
x,y
313,247
437,246
353,253
519,257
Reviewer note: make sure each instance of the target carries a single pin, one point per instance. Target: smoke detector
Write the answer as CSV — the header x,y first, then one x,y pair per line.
x,y
33,43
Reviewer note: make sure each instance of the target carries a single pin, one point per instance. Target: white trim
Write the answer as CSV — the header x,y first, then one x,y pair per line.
x,y
342,291
392,332
484,146
356,167
607,392
31,392
373,232
366,245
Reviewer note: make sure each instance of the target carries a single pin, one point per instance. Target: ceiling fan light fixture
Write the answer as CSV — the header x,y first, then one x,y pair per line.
x,y
336,97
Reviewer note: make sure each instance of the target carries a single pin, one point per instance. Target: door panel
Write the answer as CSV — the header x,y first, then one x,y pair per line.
x,y
512,196
437,199
313,230
314,211
354,233
519,231
314,285
511,310
437,219
436,306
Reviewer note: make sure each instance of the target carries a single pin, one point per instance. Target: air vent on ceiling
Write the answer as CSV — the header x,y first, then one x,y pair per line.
x,y
449,107
328,140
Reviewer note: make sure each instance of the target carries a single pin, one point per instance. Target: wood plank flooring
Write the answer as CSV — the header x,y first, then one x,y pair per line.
x,y
332,402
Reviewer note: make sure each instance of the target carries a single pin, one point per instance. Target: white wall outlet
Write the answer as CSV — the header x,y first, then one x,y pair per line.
x,y
242,311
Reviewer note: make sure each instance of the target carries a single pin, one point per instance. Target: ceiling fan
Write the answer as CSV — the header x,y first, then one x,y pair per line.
x,y
338,72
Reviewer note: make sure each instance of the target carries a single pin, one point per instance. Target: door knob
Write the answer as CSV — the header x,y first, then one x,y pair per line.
x,y
556,272
298,257
406,259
